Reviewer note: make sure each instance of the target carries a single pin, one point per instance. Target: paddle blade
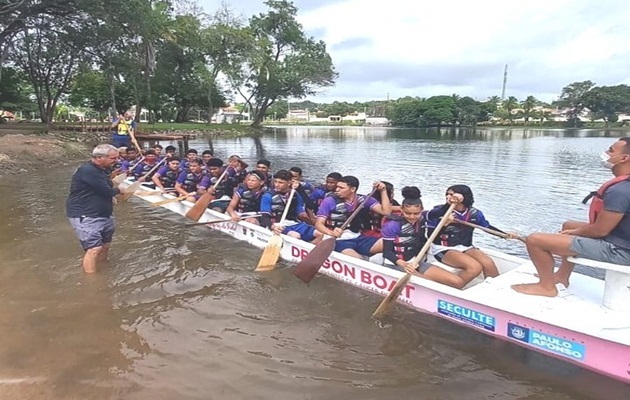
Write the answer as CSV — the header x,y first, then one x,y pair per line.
x,y
200,207
161,203
270,255
387,302
130,190
310,265
118,179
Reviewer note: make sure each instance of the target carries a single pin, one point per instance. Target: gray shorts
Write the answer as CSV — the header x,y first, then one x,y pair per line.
x,y
600,250
93,231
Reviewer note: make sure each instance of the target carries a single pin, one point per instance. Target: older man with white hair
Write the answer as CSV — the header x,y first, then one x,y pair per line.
x,y
90,207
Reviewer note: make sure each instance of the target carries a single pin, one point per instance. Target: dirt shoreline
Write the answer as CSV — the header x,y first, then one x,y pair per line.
x,y
24,150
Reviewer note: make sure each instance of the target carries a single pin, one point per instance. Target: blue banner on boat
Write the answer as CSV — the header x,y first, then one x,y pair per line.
x,y
466,315
546,342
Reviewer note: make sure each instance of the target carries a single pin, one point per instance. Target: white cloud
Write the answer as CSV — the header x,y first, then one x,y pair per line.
x,y
424,48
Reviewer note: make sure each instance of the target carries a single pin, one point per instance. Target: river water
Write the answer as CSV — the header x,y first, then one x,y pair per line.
x,y
180,314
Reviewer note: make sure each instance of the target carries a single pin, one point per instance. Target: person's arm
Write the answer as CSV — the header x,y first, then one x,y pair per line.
x,y
308,202
322,216
231,208
179,184
98,183
384,207
115,122
616,206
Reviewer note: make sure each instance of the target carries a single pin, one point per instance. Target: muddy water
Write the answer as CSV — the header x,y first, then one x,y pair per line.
x,y
179,314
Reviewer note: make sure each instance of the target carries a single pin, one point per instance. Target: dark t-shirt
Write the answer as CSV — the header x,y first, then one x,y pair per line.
x,y
91,193
617,199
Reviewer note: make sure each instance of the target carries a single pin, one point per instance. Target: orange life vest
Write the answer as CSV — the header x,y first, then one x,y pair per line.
x,y
598,197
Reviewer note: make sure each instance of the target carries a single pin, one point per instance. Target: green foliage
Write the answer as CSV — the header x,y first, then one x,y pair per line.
x,y
607,102
14,90
282,62
573,99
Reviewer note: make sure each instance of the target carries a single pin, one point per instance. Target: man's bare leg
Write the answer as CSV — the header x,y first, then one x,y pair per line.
x,y
90,259
104,254
541,247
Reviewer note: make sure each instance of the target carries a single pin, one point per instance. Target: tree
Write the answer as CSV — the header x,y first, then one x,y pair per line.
x,y
439,109
572,98
14,90
509,105
407,112
278,110
91,88
49,59
282,62
468,111
607,102
528,106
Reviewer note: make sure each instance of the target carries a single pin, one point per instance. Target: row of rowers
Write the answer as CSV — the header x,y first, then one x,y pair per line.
x,y
382,226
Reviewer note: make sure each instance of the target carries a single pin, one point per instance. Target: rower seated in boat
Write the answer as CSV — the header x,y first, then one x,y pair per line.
x,y
324,190
453,246
188,181
373,221
131,158
404,235
191,154
272,207
142,170
218,189
166,177
335,210
247,197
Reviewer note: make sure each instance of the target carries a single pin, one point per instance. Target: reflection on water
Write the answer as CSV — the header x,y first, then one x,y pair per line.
x,y
179,313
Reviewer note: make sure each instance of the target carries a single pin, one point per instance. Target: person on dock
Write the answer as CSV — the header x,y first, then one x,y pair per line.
x,y
404,235
335,210
247,197
166,176
188,181
124,126
274,202
605,237
454,245
90,206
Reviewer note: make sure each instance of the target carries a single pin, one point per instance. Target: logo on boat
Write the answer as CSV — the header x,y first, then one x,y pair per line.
x,y
466,315
546,342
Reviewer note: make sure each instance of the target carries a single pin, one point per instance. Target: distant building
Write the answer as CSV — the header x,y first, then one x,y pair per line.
x,y
229,115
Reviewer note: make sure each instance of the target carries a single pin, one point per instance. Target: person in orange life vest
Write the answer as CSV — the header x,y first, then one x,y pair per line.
x,y
404,235
453,246
605,237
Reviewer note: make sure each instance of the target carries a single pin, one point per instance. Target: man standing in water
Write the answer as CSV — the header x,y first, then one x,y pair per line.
x,y
90,205
606,237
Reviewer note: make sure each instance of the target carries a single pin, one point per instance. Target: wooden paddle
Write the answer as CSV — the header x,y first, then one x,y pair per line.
x,y
490,231
167,201
269,257
136,185
204,201
387,302
310,265
118,179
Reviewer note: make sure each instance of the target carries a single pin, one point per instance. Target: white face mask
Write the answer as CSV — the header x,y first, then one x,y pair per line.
x,y
606,160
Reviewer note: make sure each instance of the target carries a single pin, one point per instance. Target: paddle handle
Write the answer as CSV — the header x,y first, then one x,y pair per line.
x,y
156,166
220,179
357,210
418,258
286,207
131,167
490,231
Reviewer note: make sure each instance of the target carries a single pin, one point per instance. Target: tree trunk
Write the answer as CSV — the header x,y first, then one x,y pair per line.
x,y
112,93
149,98
210,106
182,113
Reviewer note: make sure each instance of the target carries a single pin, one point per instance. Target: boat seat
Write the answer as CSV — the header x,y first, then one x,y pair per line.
x,y
617,282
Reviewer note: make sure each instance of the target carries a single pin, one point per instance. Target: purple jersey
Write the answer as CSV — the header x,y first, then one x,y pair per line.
x,y
330,203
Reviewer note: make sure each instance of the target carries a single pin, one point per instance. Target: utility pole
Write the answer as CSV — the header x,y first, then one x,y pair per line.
x,y
504,82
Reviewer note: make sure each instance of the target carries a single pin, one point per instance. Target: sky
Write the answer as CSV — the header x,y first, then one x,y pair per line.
x,y
424,48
